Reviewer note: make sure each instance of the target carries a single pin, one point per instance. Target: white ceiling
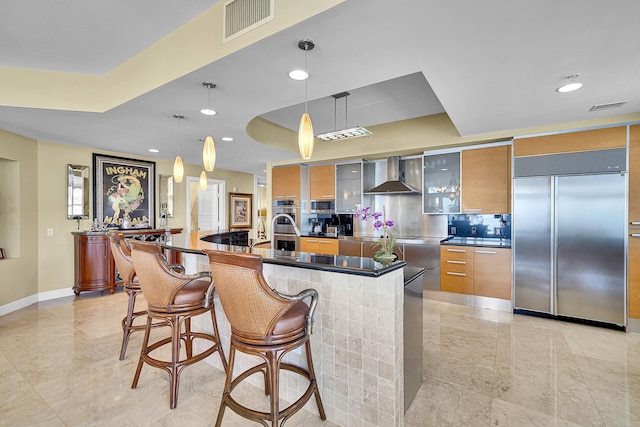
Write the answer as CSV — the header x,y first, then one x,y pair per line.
x,y
491,66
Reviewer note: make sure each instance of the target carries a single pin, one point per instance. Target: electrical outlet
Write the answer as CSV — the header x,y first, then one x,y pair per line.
x,y
49,231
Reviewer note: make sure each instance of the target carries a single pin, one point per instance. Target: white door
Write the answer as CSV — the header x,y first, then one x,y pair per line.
x,y
209,205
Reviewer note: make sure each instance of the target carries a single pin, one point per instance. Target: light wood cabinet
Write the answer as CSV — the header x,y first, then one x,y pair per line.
x,y
486,180
572,142
286,182
319,245
476,271
492,272
322,182
633,261
456,269
634,274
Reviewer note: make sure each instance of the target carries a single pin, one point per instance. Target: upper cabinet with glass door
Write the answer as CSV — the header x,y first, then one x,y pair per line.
x,y
350,180
441,190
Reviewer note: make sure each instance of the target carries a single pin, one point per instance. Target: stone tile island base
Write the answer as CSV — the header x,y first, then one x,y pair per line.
x,y
357,343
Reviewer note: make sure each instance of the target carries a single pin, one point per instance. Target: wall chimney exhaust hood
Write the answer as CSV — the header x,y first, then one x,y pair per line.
x,y
393,184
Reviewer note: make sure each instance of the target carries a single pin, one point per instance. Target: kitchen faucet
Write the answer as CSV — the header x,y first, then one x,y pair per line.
x,y
273,221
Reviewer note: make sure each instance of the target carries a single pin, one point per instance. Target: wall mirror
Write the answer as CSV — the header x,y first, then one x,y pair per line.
x,y
77,192
165,197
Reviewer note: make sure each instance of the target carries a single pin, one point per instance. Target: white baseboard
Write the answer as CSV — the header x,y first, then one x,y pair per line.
x,y
32,299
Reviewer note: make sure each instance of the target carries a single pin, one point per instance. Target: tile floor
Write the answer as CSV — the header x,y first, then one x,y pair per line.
x,y
59,367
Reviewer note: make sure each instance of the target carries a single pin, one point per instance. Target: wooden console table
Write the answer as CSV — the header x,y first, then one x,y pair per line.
x,y
95,268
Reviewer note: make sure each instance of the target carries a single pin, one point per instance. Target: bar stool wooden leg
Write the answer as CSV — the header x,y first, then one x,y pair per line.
x,y
217,335
175,368
145,344
127,322
312,378
273,372
227,385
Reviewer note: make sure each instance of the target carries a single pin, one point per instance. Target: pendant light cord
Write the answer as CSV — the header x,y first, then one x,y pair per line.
x,y
306,67
209,109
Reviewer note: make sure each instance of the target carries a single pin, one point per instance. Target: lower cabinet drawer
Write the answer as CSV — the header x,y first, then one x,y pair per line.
x,y
476,271
319,245
456,281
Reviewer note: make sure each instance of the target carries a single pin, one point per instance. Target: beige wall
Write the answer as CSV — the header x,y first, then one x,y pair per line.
x,y
46,262
19,276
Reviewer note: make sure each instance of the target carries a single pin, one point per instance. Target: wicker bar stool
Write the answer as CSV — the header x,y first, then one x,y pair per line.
x,y
122,256
267,324
175,298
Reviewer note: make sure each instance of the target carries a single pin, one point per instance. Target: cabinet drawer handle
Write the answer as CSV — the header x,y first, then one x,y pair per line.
x,y
327,196
450,273
635,235
312,241
456,262
486,252
457,250
324,242
635,222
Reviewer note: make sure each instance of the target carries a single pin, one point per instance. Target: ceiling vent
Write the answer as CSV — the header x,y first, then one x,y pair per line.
x,y
242,16
600,107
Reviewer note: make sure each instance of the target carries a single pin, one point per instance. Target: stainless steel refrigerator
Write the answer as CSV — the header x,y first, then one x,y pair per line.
x,y
569,240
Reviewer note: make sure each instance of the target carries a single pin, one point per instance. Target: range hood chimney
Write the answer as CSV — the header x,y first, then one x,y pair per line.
x,y
393,184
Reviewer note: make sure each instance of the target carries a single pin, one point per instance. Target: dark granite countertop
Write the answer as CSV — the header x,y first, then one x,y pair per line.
x,y
487,242
193,243
400,239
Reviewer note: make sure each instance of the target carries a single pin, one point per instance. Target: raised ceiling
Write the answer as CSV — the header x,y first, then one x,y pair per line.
x,y
491,66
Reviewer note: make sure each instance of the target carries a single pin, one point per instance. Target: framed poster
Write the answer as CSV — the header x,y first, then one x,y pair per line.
x,y
240,210
123,188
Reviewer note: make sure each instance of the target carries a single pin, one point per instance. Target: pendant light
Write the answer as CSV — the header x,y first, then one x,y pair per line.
x,y
209,149
305,131
178,167
203,181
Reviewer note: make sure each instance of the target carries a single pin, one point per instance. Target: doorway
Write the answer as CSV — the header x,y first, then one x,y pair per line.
x,y
206,210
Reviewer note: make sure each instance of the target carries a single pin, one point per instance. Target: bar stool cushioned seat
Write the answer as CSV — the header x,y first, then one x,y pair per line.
x,y
175,298
267,324
122,256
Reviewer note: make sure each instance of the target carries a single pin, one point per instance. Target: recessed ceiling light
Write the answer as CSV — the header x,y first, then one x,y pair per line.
x,y
227,138
154,150
299,75
208,112
570,86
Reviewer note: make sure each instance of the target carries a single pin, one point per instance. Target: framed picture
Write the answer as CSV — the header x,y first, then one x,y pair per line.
x,y
240,210
123,188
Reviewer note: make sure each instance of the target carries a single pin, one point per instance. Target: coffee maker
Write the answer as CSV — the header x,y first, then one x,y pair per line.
x,y
343,224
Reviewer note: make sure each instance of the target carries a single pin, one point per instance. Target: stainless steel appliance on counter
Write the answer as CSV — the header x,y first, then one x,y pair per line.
x,y
569,235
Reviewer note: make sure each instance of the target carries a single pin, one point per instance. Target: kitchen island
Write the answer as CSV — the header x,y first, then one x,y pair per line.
x,y
358,334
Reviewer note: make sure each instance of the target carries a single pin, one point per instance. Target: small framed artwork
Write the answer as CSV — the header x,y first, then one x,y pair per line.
x,y
123,188
240,210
